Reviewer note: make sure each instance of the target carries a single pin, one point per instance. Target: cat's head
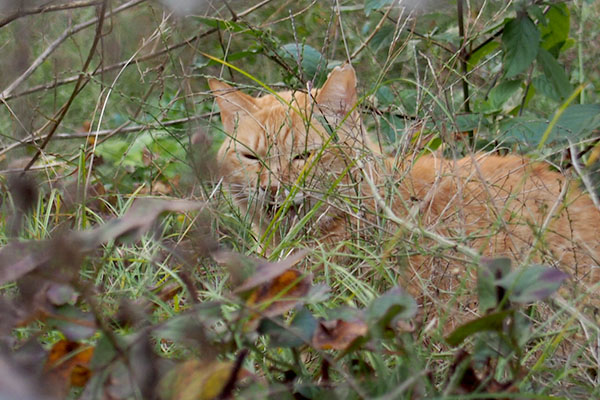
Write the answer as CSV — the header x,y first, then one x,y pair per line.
x,y
292,149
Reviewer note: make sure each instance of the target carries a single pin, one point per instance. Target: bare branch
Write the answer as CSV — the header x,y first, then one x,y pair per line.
x,y
78,87
54,45
47,8
106,132
127,63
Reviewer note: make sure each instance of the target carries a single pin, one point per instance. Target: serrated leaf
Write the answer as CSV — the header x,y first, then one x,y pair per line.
x,y
543,85
555,74
521,42
469,122
392,127
491,322
578,120
533,283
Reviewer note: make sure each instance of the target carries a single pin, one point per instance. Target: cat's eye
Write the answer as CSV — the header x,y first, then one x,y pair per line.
x,y
250,156
302,156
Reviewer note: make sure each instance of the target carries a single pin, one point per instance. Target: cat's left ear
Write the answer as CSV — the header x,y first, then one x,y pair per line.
x,y
232,103
338,94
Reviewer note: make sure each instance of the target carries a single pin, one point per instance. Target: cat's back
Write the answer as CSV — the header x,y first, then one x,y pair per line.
x,y
510,206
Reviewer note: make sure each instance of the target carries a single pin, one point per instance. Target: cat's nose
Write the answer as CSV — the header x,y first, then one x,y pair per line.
x,y
270,187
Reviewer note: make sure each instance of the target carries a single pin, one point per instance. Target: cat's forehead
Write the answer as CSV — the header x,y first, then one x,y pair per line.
x,y
282,125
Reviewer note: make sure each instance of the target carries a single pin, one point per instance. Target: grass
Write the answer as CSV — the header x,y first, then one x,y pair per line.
x,y
162,289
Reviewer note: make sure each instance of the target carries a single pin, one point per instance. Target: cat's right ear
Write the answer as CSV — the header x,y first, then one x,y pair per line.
x,y
232,103
338,94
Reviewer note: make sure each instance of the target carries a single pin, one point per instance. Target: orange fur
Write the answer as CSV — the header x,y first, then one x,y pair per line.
x,y
278,151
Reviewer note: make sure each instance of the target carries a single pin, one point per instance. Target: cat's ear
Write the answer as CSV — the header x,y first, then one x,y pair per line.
x,y
232,103
338,94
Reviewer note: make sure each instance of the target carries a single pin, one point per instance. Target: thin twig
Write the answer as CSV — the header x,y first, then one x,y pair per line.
x,y
78,86
584,178
46,9
233,377
122,64
462,58
372,35
426,37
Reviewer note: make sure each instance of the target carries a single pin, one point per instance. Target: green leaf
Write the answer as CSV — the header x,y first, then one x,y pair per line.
x,y
469,122
545,87
555,74
525,130
576,122
383,38
374,5
222,24
393,304
556,31
491,322
521,42
385,96
480,54
490,271
532,283
311,61
392,127
299,332
503,92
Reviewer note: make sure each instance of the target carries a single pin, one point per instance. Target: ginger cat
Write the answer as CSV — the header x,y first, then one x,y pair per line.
x,y
305,159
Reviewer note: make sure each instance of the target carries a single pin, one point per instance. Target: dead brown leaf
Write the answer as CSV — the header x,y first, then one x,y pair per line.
x,y
338,334
278,296
68,364
267,271
199,380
